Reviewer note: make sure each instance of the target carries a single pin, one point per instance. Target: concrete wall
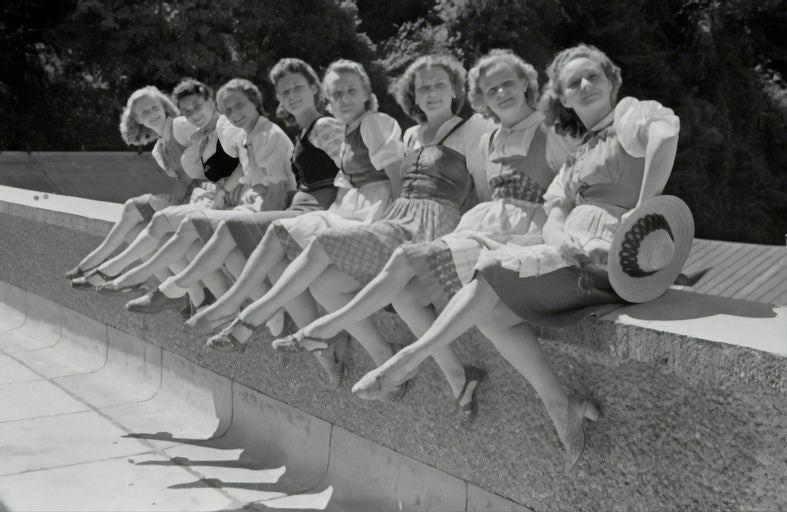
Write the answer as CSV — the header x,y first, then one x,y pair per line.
x,y
105,176
686,423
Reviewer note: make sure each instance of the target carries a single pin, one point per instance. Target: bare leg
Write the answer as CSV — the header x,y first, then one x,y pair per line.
x,y
145,243
295,280
184,240
471,304
381,291
334,289
261,262
130,219
209,259
395,283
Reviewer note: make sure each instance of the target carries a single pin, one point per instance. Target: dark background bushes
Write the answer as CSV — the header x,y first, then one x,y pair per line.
x,y
66,69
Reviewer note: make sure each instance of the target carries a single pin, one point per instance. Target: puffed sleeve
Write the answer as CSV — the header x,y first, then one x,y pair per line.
x,y
272,151
382,136
182,130
328,135
191,160
230,136
559,148
632,120
557,193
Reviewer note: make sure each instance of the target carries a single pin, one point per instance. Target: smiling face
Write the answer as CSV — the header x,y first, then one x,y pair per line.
x,y
198,110
295,93
149,112
239,109
586,89
433,91
504,93
347,95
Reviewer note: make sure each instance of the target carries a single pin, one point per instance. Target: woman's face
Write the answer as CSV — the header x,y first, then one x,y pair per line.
x,y
149,112
197,109
295,93
347,95
504,92
586,88
433,91
239,109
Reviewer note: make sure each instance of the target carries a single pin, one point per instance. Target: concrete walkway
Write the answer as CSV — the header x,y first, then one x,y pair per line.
x,y
91,427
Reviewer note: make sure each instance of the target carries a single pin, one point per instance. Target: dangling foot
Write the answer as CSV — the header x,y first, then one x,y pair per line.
x,y
467,401
299,342
201,323
111,288
226,341
75,273
571,429
90,280
154,302
376,385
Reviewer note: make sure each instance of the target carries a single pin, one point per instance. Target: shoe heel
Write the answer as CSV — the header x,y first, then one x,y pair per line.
x,y
591,412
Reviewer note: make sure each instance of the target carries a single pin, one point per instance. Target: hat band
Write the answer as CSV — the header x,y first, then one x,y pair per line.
x,y
629,249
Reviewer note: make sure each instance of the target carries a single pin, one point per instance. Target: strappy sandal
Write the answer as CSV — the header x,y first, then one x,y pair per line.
x,y
299,342
336,377
572,433
470,409
377,386
226,342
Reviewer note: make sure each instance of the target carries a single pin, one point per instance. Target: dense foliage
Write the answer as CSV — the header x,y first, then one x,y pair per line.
x,y
68,66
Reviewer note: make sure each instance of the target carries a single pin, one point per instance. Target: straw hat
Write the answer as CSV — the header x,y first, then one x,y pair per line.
x,y
650,248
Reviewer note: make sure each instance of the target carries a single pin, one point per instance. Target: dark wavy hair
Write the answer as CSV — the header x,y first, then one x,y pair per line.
x,y
245,87
297,66
404,88
566,120
191,87
525,71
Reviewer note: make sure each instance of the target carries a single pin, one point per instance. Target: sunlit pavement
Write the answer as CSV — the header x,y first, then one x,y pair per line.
x,y
79,432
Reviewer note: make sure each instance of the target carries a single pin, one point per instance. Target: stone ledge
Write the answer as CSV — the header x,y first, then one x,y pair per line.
x,y
674,434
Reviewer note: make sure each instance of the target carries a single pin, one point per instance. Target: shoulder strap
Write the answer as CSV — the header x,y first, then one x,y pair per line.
x,y
452,130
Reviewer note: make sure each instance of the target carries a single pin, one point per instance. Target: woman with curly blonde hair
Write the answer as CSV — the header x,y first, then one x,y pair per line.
x,y
521,157
149,115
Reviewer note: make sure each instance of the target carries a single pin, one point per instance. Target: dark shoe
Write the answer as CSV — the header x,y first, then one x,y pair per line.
x,y
572,433
473,375
189,309
154,302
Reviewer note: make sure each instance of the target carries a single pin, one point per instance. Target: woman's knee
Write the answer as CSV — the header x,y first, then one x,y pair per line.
x,y
399,264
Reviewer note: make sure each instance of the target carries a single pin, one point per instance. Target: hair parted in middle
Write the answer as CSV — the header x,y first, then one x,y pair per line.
x,y
245,87
350,66
525,71
404,88
292,65
135,133
565,120
191,86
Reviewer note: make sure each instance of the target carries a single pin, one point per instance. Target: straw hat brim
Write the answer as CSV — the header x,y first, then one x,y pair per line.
x,y
647,288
